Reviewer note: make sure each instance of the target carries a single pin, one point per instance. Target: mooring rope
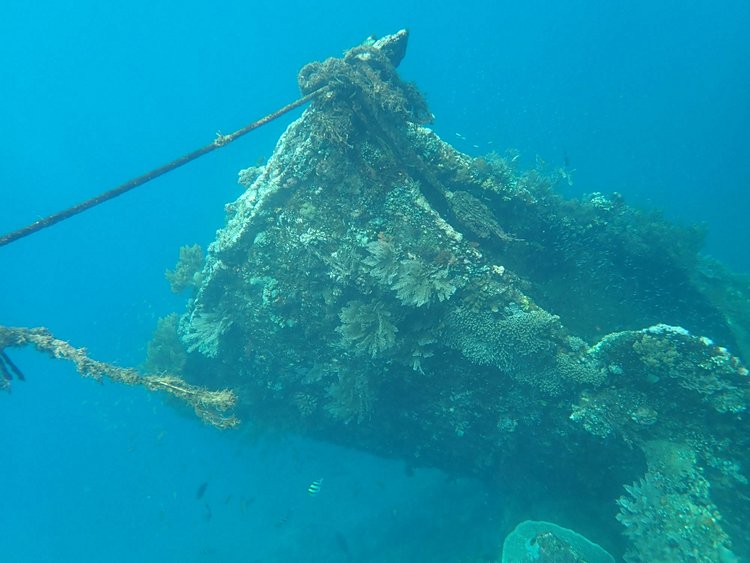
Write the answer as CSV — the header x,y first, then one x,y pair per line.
x,y
220,141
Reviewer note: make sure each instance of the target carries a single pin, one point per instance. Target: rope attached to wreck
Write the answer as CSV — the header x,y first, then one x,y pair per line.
x,y
220,141
210,406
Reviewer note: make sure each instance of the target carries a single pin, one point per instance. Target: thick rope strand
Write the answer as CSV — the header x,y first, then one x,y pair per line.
x,y
220,141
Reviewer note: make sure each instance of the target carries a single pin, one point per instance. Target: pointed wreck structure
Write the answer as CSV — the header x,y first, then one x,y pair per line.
x,y
377,288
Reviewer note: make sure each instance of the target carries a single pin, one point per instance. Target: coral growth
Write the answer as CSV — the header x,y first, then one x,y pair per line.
x,y
668,514
210,406
545,542
202,332
165,352
476,216
504,340
379,289
187,272
418,284
367,328
414,281
383,260
350,398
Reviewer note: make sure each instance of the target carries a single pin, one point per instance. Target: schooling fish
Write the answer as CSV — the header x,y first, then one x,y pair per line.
x,y
314,487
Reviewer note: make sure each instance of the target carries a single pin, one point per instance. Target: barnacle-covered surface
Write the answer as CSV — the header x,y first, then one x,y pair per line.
x,y
376,288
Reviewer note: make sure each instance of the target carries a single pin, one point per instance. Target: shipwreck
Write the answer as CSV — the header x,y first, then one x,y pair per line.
x,y
376,288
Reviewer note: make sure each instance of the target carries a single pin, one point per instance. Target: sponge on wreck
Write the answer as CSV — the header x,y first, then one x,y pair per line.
x,y
542,542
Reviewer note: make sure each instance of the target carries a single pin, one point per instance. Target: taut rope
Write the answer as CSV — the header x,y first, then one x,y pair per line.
x,y
220,141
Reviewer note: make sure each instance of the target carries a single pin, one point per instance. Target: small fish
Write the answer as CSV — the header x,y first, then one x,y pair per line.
x,y
314,487
245,503
201,490
284,519
343,545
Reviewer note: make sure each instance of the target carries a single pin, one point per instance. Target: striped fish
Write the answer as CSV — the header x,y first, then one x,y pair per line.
x,y
314,487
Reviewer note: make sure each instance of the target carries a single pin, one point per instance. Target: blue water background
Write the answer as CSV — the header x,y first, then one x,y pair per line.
x,y
646,98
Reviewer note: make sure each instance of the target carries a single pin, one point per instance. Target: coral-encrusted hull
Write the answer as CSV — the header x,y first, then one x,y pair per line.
x,y
376,288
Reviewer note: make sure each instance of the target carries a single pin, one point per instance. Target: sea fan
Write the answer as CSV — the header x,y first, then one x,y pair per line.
x,y
367,327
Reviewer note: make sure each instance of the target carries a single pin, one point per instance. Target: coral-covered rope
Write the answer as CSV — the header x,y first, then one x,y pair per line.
x,y
220,141
210,406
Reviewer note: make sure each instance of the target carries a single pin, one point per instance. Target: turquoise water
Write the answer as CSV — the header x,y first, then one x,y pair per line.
x,y
650,101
